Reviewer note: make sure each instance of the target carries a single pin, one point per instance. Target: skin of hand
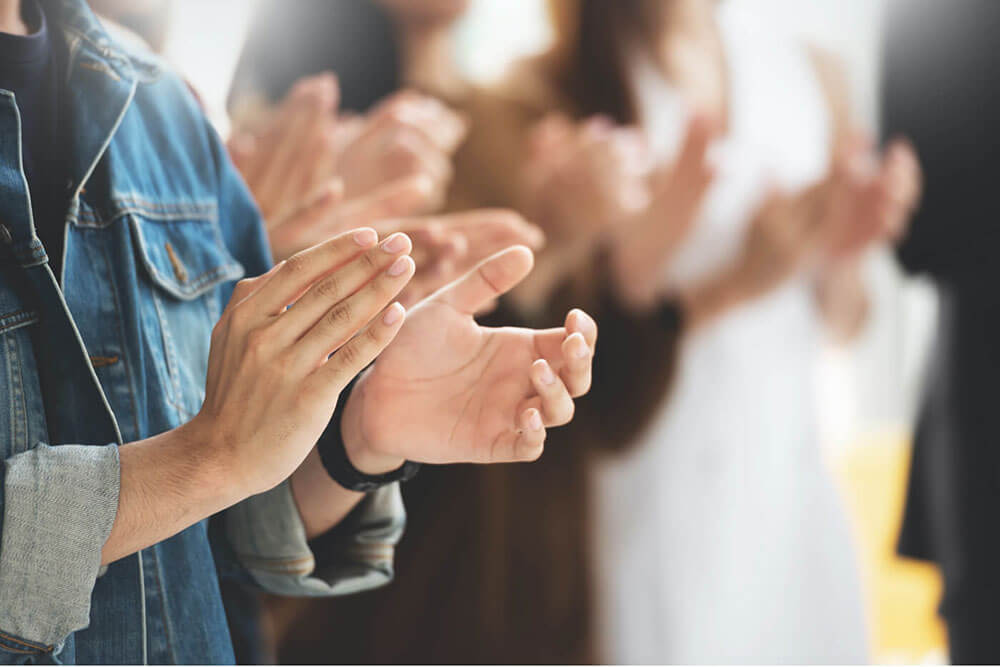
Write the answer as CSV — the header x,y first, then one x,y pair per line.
x,y
397,158
583,177
865,201
275,374
644,245
579,180
292,155
327,213
272,384
444,246
870,198
448,246
449,390
406,136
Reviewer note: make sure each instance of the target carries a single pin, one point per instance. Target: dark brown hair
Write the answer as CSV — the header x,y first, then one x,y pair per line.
x,y
637,354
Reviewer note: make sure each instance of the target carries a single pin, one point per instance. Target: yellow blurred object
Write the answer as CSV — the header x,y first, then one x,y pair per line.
x,y
902,594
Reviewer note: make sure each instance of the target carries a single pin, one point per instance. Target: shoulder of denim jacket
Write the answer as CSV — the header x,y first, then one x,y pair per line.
x,y
148,66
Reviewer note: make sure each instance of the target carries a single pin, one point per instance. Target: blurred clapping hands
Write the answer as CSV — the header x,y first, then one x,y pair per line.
x,y
315,173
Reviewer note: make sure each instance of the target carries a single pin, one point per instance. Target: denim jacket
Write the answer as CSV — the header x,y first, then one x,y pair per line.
x,y
159,227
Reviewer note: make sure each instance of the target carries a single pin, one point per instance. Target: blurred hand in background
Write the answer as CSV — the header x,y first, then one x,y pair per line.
x,y
316,174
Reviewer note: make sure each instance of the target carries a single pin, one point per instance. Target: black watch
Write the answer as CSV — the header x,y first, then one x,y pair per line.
x,y
333,456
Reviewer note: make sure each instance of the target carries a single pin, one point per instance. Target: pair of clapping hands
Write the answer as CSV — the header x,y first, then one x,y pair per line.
x,y
594,182
443,388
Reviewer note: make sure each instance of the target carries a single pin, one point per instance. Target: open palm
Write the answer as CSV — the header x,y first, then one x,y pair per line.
x,y
449,390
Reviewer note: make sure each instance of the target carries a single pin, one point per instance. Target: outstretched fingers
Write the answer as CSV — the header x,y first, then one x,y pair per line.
x,y
336,372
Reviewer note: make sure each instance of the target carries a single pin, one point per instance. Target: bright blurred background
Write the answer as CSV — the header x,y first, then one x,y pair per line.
x,y
868,390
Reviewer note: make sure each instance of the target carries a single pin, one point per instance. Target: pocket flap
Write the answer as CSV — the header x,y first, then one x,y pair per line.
x,y
184,257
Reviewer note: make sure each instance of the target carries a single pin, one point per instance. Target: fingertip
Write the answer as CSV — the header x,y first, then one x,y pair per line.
x,y
402,266
579,321
542,371
394,314
365,237
397,242
533,420
576,345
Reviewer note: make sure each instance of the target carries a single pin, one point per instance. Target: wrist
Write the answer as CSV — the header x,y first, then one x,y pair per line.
x,y
703,302
360,452
214,465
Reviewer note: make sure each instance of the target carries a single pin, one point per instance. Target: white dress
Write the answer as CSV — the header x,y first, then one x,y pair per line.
x,y
719,535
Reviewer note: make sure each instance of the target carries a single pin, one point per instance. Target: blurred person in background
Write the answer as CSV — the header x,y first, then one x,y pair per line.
x,y
504,559
939,87
523,590
719,535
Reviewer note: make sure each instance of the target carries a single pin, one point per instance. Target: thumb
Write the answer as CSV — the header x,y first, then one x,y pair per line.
x,y
493,277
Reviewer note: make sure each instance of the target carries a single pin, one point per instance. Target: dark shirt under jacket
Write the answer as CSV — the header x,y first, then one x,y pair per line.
x,y
29,68
941,88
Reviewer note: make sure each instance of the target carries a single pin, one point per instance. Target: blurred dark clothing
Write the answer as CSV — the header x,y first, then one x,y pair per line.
x,y
941,88
29,68
291,40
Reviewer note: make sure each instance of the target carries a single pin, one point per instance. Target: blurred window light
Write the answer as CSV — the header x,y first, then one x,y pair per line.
x,y
204,43
494,33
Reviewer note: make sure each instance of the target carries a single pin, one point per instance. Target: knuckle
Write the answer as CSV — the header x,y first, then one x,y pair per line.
x,y
329,288
239,318
349,355
339,315
258,341
368,262
243,287
296,264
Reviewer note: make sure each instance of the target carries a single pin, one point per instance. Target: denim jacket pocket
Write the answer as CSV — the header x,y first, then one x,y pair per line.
x,y
188,265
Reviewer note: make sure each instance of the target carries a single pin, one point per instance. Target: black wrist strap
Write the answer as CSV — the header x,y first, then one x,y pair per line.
x,y
333,455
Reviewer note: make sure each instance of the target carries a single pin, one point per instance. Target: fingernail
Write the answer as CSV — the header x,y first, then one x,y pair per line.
x,y
395,243
581,347
547,377
399,267
365,237
535,420
392,314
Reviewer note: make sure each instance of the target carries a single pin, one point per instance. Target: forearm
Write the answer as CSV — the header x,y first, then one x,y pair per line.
x,y
323,503
168,483
706,301
638,259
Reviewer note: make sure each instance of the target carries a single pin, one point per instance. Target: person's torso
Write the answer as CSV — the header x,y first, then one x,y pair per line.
x,y
711,501
145,274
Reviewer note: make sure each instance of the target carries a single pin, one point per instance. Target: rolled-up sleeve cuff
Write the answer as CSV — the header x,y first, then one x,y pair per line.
x,y
59,506
269,540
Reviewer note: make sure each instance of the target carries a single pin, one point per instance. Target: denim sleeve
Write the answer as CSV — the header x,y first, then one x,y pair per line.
x,y
58,507
269,541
